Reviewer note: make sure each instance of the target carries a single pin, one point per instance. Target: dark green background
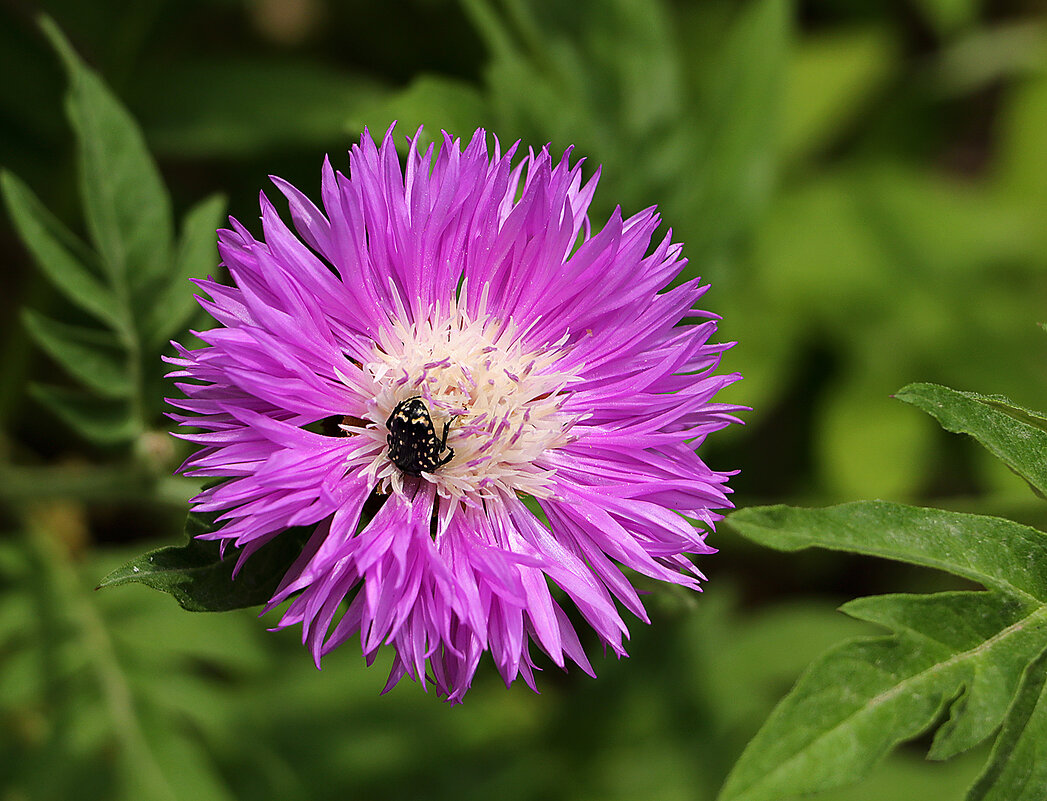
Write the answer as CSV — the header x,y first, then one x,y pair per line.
x,y
865,185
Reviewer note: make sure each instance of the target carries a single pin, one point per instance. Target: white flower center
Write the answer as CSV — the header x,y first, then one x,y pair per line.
x,y
502,403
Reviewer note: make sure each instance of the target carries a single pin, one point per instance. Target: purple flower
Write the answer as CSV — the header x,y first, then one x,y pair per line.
x,y
565,378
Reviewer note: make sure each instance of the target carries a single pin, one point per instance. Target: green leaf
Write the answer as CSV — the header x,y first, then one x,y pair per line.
x,y
961,652
1017,436
126,206
201,580
986,640
994,552
958,651
1016,770
92,356
135,287
100,420
137,706
59,254
197,257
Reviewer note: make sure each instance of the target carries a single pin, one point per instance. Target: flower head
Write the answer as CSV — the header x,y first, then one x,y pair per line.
x,y
513,400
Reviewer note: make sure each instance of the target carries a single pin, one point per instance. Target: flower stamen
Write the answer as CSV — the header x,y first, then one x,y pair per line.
x,y
505,401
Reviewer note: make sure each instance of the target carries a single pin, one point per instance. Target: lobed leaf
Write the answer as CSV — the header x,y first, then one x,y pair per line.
x,y
103,420
864,697
201,580
59,254
987,638
92,356
126,206
962,652
133,283
1017,770
197,257
1016,435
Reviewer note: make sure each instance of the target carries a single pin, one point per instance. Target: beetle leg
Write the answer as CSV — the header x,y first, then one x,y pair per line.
x,y
447,458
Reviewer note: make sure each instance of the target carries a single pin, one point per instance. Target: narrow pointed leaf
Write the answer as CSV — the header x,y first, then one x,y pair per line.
x,y
101,420
197,576
126,206
1017,770
59,254
197,257
1017,436
994,552
92,356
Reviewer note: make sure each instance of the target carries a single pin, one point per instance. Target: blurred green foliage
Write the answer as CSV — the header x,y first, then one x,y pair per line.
x,y
864,184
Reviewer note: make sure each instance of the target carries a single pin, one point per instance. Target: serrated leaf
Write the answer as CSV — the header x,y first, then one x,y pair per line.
x,y
126,206
197,257
961,652
92,356
1017,436
1016,770
59,254
197,576
102,420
